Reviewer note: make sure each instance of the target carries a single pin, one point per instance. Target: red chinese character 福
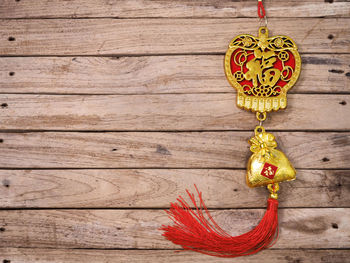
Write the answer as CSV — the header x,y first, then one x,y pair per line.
x,y
269,170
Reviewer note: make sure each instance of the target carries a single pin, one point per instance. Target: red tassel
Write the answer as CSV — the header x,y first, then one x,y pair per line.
x,y
193,231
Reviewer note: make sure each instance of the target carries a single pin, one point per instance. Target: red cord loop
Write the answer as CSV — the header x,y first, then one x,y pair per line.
x,y
261,9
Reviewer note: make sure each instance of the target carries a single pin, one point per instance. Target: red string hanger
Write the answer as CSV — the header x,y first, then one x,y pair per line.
x,y
261,9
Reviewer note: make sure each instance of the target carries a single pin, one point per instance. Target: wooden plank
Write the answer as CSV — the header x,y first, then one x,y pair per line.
x,y
30,255
165,150
177,112
299,228
321,73
157,188
175,8
161,36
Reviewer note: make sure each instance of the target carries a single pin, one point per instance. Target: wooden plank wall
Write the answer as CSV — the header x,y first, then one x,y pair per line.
x,y
111,109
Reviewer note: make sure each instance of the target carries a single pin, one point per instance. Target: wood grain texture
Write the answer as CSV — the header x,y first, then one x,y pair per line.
x,y
29,255
161,36
165,150
98,115
175,8
299,228
176,112
153,74
156,188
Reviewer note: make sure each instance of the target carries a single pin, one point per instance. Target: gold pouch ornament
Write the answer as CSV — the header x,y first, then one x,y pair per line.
x,y
267,165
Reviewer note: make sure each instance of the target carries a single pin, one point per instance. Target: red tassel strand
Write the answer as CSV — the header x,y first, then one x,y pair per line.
x,y
196,230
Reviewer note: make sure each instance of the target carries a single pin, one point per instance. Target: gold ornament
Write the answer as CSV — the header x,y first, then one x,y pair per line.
x,y
262,70
267,165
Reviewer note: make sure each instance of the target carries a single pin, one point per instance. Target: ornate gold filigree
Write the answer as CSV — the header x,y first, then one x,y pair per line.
x,y
262,70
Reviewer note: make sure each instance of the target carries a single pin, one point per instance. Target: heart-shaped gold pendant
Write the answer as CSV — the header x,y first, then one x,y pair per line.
x,y
262,70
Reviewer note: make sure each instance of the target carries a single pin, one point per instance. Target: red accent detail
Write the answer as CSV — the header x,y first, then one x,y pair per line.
x,y
269,170
197,230
261,9
235,68
278,65
278,89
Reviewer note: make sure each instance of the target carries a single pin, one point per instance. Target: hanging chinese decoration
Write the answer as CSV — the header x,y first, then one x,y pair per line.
x,y
262,69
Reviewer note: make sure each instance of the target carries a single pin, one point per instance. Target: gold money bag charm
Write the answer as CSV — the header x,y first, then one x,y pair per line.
x,y
267,165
